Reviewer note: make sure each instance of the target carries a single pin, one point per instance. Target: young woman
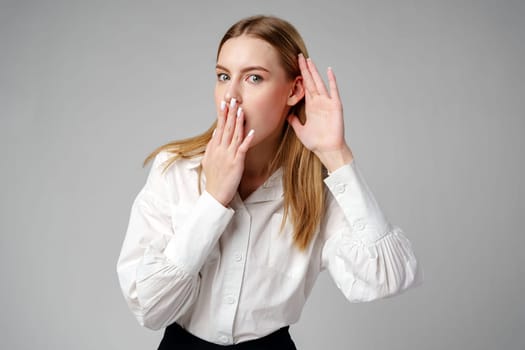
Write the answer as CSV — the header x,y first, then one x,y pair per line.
x,y
232,227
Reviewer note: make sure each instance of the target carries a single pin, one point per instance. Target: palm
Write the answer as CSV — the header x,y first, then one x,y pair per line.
x,y
323,130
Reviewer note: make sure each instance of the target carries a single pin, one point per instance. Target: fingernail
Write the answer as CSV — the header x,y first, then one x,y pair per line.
x,y
223,105
214,131
239,111
250,133
232,102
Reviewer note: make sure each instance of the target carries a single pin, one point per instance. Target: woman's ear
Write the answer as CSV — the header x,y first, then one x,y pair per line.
x,y
297,92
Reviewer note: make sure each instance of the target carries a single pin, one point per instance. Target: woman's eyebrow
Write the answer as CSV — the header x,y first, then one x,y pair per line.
x,y
245,69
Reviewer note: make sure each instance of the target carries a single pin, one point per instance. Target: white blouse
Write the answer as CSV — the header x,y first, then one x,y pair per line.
x,y
229,275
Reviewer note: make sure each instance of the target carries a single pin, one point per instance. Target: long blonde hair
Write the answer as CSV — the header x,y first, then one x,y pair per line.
x,y
303,172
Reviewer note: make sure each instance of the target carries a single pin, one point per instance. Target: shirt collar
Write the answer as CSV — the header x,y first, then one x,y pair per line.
x,y
270,190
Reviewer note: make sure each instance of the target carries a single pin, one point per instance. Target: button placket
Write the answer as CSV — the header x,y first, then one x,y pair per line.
x,y
234,249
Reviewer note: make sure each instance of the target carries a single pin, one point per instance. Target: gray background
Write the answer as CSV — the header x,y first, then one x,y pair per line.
x,y
434,105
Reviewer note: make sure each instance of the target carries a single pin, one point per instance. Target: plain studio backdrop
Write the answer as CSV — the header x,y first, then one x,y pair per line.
x,y
434,101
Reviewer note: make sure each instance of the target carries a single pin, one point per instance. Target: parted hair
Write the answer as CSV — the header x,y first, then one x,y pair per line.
x,y
302,171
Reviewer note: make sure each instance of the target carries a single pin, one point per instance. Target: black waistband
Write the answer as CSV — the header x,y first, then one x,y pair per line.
x,y
176,337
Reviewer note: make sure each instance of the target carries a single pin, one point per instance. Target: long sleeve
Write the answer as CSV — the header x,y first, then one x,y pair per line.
x,y
162,254
367,256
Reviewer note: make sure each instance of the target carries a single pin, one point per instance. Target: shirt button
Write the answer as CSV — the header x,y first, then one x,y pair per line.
x,y
237,257
223,339
359,225
230,299
340,188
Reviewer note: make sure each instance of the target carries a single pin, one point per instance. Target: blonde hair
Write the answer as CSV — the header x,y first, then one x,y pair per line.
x,y
303,172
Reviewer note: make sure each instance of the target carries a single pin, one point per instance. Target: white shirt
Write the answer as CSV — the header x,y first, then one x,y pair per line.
x,y
227,275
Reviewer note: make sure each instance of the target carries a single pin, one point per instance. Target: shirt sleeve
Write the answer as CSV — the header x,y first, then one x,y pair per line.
x,y
158,267
367,256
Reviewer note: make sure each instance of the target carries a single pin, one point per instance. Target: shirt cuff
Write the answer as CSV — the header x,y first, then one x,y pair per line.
x,y
361,209
194,240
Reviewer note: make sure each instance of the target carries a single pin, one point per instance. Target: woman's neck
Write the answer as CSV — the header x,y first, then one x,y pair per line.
x,y
256,168
258,160
259,157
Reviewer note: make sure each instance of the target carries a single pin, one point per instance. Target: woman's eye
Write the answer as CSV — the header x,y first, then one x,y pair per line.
x,y
254,78
222,77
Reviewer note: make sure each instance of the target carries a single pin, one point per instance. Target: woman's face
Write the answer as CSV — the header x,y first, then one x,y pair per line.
x,y
249,70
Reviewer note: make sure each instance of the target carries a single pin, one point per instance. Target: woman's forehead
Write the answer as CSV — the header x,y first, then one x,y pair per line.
x,y
247,50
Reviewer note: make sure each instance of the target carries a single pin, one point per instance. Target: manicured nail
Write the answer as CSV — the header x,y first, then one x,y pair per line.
x,y
214,131
223,105
239,111
232,102
250,133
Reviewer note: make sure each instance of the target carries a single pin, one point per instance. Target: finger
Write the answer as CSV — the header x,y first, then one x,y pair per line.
x,y
208,150
309,83
230,122
334,90
221,120
238,133
245,145
319,83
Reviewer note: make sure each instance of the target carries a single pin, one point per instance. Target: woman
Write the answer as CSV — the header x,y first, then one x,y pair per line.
x,y
232,227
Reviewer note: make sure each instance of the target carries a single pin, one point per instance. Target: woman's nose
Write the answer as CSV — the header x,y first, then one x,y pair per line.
x,y
233,92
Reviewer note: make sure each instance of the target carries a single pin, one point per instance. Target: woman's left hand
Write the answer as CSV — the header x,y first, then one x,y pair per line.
x,y
323,130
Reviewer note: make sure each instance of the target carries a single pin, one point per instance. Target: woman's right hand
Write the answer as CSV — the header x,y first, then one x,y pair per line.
x,y
223,162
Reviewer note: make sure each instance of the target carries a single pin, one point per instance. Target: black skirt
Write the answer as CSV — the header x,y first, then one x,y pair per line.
x,y
177,338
